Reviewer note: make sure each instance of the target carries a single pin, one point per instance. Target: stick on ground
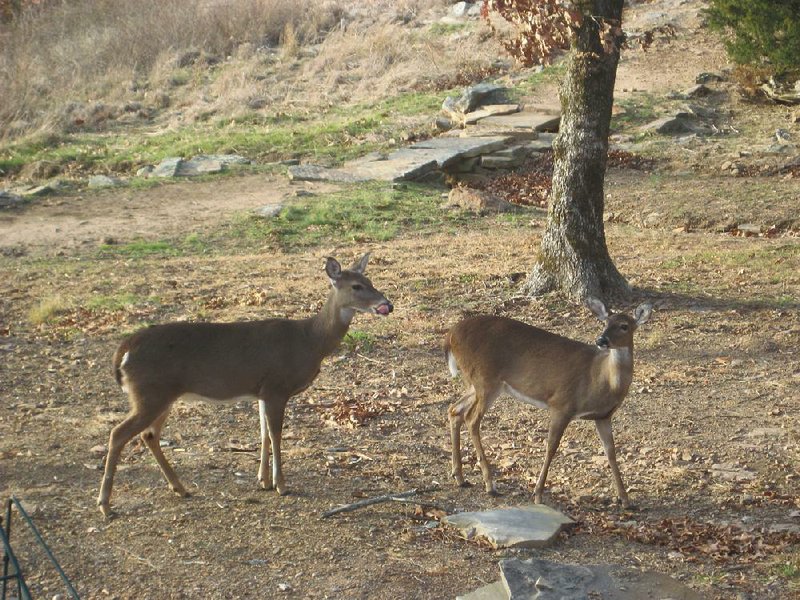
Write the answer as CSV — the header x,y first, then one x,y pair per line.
x,y
371,501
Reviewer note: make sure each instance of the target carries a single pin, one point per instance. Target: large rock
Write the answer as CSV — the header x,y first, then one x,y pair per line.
x,y
470,99
545,580
531,526
197,165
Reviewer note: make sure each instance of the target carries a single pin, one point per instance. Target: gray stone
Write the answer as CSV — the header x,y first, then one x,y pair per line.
x,y
490,110
167,167
471,98
539,145
206,164
496,161
545,580
315,173
460,9
51,187
534,121
268,211
492,591
10,199
669,126
708,78
422,158
531,526
103,181
197,165
697,91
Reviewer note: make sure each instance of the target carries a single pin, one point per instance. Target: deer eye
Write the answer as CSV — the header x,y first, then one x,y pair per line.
x,y
358,287
624,327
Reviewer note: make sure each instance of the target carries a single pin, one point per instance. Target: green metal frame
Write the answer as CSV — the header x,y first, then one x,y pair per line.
x,y
10,560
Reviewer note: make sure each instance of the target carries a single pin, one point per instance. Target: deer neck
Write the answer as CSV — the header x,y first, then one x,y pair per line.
x,y
329,326
619,368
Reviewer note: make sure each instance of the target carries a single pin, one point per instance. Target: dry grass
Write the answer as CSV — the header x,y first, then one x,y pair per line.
x,y
47,309
83,65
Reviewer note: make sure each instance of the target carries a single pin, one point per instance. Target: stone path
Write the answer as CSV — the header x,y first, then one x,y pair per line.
x,y
544,580
493,136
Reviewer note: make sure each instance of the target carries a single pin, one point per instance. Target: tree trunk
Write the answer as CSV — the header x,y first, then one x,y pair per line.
x,y
573,257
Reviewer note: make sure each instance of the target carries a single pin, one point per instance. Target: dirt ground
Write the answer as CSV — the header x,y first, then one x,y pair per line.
x,y
708,438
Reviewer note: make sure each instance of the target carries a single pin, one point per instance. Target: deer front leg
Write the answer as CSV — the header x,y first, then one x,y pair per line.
x,y
558,423
603,427
275,409
264,472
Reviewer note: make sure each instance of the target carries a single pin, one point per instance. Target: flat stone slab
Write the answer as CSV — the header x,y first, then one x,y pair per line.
x,y
492,591
197,165
490,110
525,120
531,526
423,157
545,580
315,173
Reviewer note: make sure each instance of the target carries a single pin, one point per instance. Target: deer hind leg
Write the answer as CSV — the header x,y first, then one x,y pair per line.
x,y
455,415
275,409
264,472
134,423
558,424
152,437
474,416
603,427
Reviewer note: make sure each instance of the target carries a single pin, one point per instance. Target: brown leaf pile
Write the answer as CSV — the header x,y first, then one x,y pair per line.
x,y
355,411
530,184
696,540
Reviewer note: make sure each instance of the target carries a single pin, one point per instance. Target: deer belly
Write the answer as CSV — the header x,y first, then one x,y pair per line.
x,y
517,395
198,398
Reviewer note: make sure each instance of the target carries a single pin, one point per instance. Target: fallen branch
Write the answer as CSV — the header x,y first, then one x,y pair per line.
x,y
376,500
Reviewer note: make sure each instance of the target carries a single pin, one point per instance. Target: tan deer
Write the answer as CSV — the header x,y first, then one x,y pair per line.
x,y
571,379
270,361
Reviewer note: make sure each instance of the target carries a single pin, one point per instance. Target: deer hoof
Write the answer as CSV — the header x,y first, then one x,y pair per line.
x,y
106,510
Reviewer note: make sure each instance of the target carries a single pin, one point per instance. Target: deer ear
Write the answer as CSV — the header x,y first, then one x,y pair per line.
x,y
642,313
597,308
333,269
360,265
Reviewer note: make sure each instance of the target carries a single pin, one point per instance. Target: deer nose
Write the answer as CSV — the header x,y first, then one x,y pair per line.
x,y
384,308
602,342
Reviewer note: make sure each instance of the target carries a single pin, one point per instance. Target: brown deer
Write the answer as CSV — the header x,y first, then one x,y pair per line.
x,y
270,360
573,380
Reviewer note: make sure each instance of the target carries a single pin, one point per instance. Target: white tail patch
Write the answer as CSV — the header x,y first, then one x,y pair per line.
x,y
452,364
122,363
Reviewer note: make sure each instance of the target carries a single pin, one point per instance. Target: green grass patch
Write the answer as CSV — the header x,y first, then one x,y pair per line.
x,y
363,213
446,29
112,302
359,341
639,110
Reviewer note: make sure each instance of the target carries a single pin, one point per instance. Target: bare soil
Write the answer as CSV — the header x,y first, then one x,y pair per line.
x,y
716,383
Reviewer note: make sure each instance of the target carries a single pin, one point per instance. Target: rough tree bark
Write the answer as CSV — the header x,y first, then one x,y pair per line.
x,y
573,256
